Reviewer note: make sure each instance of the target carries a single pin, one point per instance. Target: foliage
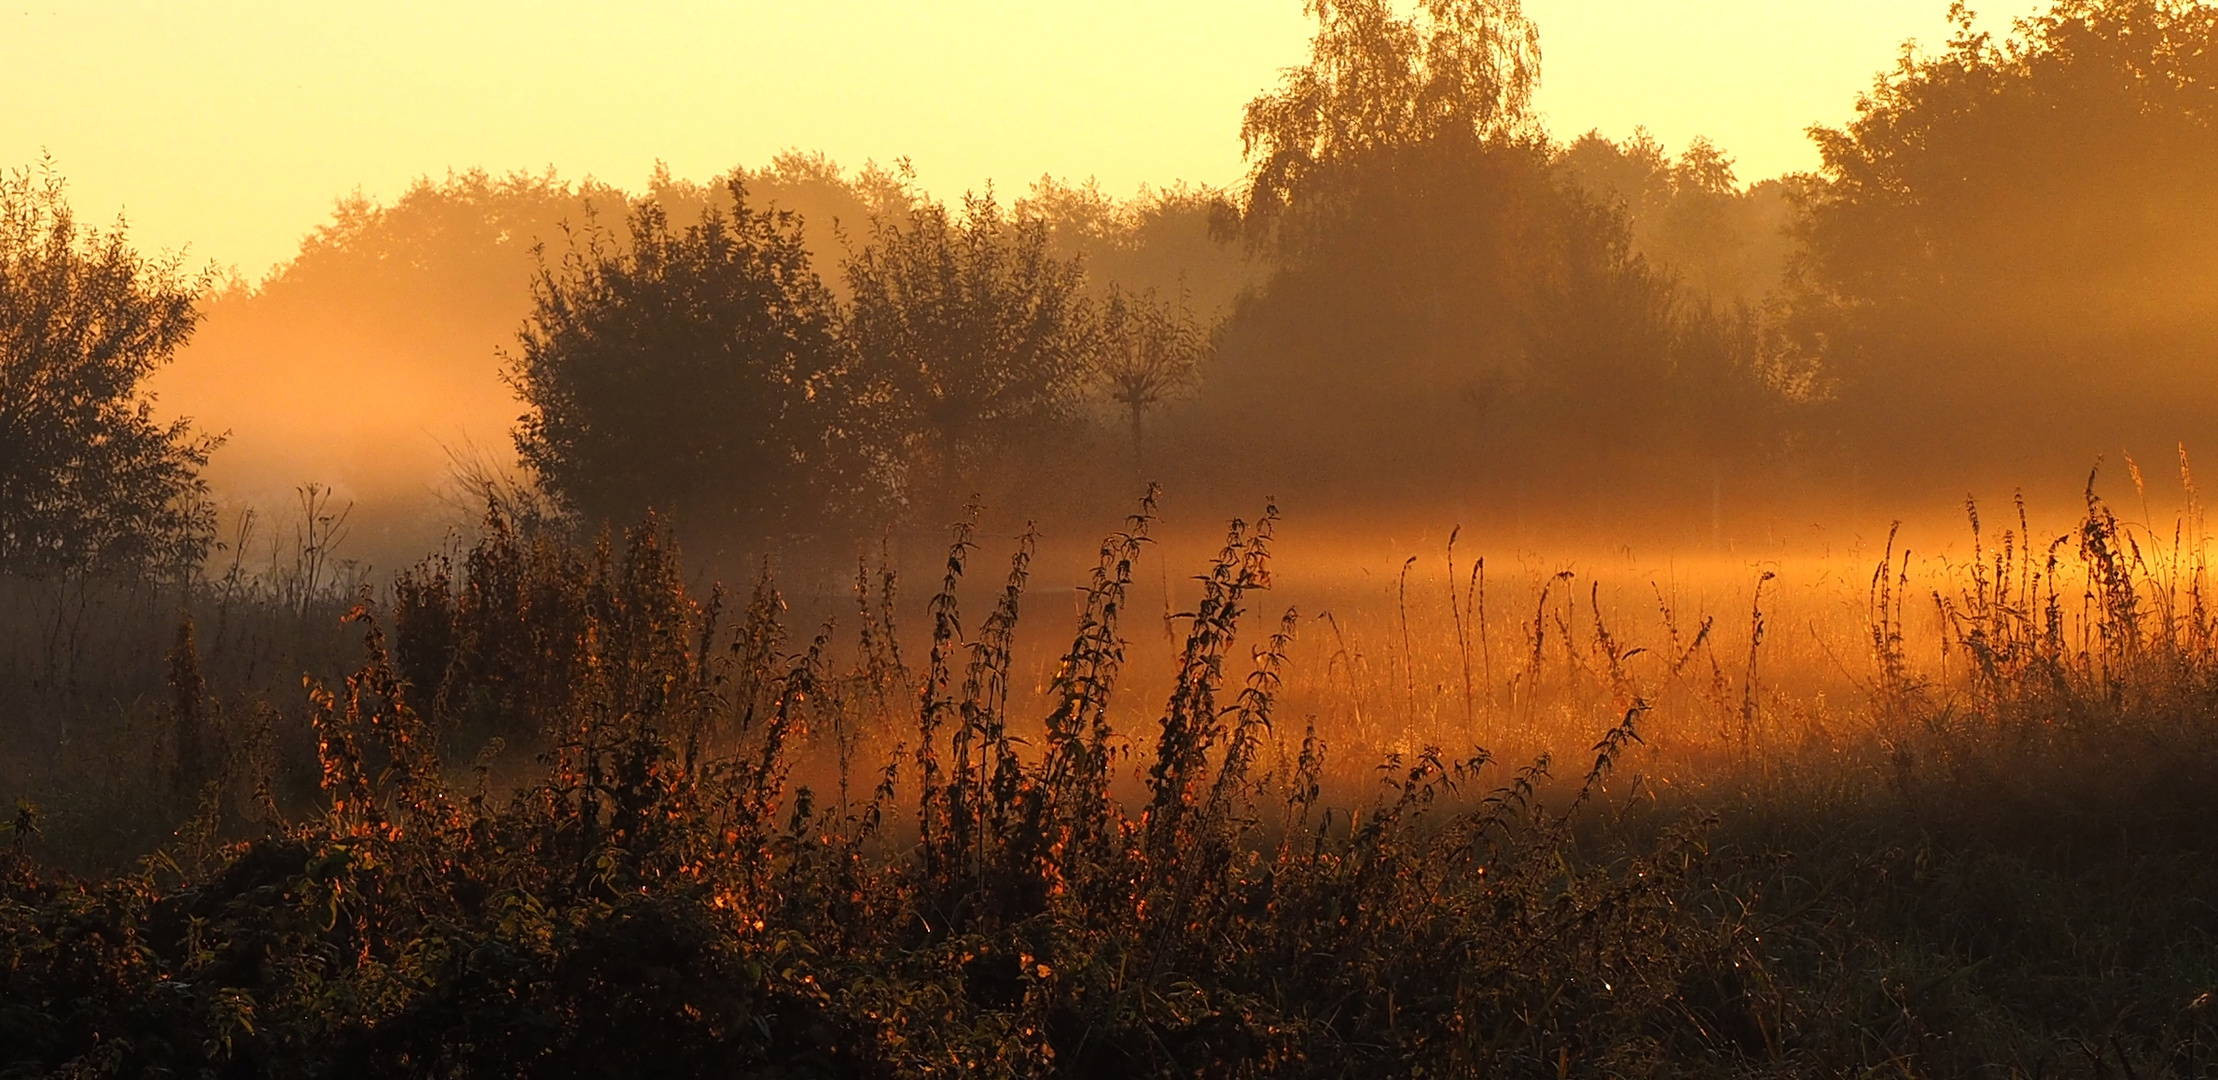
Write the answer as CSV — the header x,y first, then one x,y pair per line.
x,y
1473,319
682,887
1727,243
1455,304
1379,82
2013,227
1166,239
1144,350
2003,218
698,372
89,479
968,333
453,236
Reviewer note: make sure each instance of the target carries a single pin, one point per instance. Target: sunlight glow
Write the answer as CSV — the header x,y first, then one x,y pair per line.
x,y
230,126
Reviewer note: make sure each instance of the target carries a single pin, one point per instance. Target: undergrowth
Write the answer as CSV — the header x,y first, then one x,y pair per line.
x,y
740,850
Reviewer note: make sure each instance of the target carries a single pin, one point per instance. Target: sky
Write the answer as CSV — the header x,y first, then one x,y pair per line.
x,y
227,128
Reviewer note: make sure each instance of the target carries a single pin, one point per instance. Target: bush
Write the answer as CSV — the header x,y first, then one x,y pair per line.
x,y
698,372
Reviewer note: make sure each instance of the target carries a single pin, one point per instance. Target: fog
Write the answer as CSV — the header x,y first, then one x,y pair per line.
x,y
2002,278
1467,598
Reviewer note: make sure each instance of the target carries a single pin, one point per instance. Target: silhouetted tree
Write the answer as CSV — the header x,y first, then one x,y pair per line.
x,y
1380,84
1450,310
696,371
2009,251
403,300
90,481
1401,188
1144,349
1396,180
969,336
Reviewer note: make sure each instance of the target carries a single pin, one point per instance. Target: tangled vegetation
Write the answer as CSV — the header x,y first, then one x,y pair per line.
x,y
738,853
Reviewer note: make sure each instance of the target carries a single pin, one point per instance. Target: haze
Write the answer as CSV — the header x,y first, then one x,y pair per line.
x,y
228,128
1619,290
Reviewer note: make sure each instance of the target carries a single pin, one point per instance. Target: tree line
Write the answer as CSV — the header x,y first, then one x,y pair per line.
x,y
710,369
1417,293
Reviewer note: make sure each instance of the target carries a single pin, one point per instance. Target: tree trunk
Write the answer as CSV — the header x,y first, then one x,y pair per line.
x,y
1139,463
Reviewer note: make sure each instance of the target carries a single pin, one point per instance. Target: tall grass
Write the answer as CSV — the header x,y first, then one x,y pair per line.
x,y
573,817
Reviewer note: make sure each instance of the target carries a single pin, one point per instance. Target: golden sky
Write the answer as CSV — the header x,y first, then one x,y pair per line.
x,y
231,125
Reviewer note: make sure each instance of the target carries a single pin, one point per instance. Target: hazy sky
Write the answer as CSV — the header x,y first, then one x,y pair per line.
x,y
231,125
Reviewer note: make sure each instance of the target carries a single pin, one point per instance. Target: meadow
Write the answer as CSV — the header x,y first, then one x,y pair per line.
x,y
1584,714
543,807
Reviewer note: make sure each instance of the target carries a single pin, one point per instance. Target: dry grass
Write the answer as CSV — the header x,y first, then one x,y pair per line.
x,y
570,817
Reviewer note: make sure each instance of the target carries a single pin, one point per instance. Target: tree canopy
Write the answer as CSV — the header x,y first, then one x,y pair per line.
x,y
1380,83
90,480
709,371
969,334
1451,309
2021,230
689,370
1144,349
2008,246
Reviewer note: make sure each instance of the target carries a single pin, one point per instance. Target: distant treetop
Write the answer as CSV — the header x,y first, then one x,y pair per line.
x,y
1378,81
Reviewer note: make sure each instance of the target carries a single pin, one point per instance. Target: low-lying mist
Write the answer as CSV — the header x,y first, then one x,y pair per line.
x,y
1588,340
1462,601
